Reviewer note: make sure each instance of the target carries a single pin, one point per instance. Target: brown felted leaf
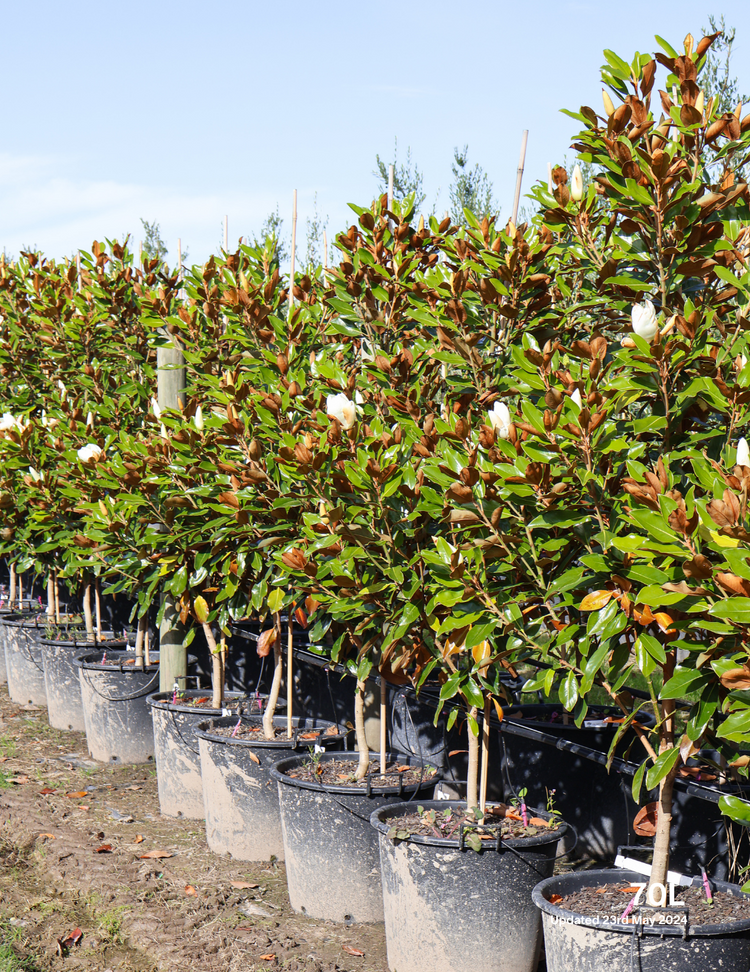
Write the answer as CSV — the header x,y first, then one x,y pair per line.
x,y
266,641
644,823
698,568
736,679
733,583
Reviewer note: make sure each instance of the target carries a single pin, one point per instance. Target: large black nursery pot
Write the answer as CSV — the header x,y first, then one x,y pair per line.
x,y
240,796
61,678
178,759
114,690
23,658
577,943
330,849
451,909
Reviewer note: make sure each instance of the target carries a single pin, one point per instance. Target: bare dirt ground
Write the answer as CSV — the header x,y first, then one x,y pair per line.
x,y
73,840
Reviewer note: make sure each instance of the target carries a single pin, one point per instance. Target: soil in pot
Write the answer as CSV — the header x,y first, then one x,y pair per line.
x,y
583,934
114,690
61,679
450,908
330,849
240,796
178,763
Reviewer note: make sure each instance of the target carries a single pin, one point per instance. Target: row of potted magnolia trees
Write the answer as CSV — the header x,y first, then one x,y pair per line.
x,y
460,450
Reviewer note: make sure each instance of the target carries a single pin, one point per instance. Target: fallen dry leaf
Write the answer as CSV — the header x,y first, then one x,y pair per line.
x,y
134,787
268,958
353,951
4,759
51,836
72,938
631,889
243,885
138,839
18,779
189,889
555,898
104,849
78,795
46,791
253,757
155,854
82,806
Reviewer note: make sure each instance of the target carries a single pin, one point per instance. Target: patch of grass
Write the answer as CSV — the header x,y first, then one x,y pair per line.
x,y
8,746
109,925
10,958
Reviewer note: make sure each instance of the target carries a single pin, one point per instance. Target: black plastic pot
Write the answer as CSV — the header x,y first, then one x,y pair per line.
x,y
451,909
61,678
116,714
330,849
240,796
178,760
596,803
572,943
23,658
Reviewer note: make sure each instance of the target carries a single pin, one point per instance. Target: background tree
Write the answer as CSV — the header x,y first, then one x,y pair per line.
x,y
471,189
407,177
316,226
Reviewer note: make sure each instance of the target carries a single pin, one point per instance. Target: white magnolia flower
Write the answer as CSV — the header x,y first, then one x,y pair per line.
x,y
341,408
576,397
500,419
644,320
198,418
743,453
8,422
89,452
576,185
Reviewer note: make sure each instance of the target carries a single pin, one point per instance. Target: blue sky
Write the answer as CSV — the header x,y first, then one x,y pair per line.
x,y
184,112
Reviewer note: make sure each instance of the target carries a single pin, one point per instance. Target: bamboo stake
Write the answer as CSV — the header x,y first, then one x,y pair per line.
x,y
289,670
20,592
50,595
140,253
89,619
383,723
98,603
56,590
485,754
473,767
179,257
294,248
391,178
226,234
273,695
549,178
78,269
147,645
325,253
519,175
12,585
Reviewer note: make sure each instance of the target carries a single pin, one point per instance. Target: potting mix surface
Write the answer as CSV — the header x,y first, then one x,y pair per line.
x,y
446,824
342,772
253,731
611,903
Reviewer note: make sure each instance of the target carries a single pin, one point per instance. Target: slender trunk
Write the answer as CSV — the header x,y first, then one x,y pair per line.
x,y
147,645
217,668
289,670
473,770
359,725
383,723
660,864
90,621
485,754
12,588
50,596
140,634
273,695
98,601
56,589
20,592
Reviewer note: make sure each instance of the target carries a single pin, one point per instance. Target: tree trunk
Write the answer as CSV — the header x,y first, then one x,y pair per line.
x,y
217,668
12,587
50,596
472,775
142,625
485,753
359,725
98,601
90,621
660,865
273,695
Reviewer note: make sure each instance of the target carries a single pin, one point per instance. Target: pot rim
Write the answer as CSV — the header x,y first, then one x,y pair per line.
x,y
85,643
520,843
161,700
85,661
278,772
615,876
203,731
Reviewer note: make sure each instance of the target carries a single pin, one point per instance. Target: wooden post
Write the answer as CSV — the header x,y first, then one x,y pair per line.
x,y
325,253
519,175
294,248
226,234
170,363
289,670
383,723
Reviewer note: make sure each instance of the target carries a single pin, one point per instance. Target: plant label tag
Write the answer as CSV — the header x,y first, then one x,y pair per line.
x,y
225,712
318,748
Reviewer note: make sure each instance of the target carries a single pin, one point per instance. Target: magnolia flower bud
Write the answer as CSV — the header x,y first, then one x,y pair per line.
x,y
700,102
198,418
90,420
609,107
499,419
644,320
156,408
342,409
743,453
576,185
89,452
163,431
